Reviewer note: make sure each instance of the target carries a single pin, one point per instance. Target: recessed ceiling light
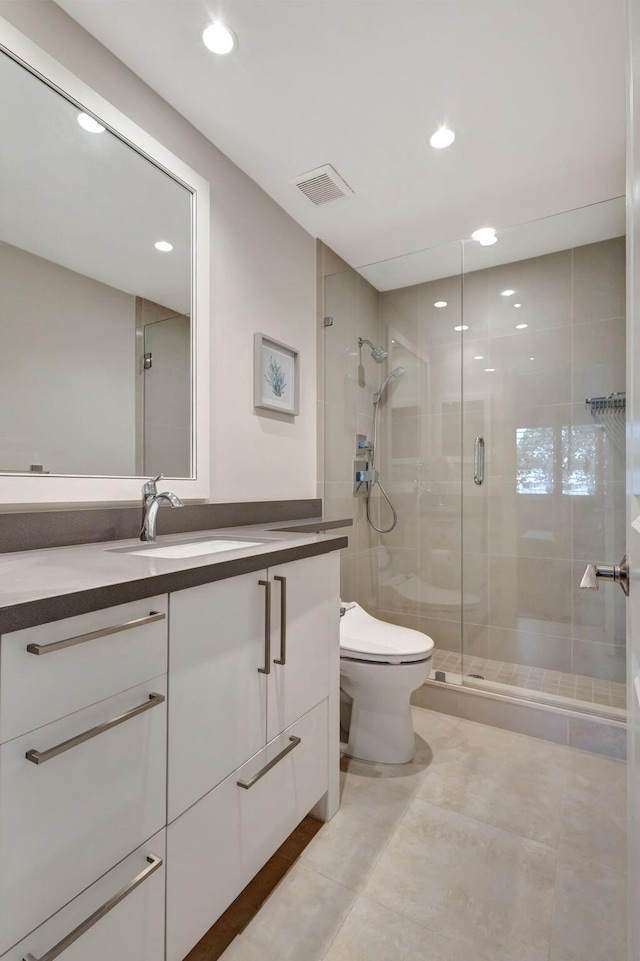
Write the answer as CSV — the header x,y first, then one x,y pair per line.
x,y
532,358
443,137
485,236
163,245
489,370
88,123
218,38
517,305
440,303
521,326
479,357
507,293
462,327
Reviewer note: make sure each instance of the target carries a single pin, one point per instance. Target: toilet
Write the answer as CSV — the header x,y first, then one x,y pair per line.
x,y
380,665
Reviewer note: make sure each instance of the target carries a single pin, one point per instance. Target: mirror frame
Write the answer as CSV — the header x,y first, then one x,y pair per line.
x,y
58,489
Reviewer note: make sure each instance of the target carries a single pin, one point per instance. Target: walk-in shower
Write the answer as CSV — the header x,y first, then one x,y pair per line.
x,y
523,344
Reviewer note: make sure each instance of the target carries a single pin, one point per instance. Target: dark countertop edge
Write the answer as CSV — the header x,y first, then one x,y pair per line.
x,y
32,613
316,526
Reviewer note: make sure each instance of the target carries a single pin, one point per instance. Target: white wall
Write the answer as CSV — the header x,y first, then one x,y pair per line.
x,y
262,269
67,369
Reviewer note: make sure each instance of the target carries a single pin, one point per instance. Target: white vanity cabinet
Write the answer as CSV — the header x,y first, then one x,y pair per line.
x,y
257,748
83,758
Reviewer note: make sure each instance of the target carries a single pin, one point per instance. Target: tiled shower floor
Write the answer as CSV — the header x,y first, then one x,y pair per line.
x,y
535,679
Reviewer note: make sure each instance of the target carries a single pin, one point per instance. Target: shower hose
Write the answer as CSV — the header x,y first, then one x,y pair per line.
x,y
376,483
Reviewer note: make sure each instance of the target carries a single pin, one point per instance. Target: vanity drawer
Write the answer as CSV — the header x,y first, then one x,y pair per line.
x,y
296,772
52,670
216,847
131,930
88,803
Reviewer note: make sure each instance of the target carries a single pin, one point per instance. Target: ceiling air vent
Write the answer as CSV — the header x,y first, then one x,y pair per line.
x,y
322,185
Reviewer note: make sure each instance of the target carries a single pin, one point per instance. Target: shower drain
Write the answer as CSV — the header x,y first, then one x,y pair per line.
x,y
480,677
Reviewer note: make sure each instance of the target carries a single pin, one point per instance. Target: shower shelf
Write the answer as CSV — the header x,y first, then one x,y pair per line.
x,y
615,401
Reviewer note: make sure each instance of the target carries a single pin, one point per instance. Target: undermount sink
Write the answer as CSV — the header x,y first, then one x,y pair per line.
x,y
212,545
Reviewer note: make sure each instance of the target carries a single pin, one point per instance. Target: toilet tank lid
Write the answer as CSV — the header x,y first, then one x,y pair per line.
x,y
362,634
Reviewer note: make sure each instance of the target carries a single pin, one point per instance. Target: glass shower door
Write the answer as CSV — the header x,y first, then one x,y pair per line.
x,y
543,384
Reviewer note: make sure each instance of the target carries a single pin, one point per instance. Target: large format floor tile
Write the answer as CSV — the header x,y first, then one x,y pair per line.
x,y
299,921
492,779
491,889
373,933
488,846
589,912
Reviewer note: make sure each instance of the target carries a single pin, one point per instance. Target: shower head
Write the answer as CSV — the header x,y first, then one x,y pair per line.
x,y
379,354
396,372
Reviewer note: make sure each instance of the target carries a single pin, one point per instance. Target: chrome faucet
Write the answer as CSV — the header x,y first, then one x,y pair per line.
x,y
150,505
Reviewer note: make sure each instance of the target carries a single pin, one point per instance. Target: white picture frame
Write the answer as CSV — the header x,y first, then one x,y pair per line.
x,y
276,376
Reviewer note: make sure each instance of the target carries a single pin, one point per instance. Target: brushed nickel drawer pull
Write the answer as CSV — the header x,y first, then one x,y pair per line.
x,y
283,620
267,628
261,773
56,950
39,757
92,635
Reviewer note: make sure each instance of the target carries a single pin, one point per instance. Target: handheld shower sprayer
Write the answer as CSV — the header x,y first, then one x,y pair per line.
x,y
396,372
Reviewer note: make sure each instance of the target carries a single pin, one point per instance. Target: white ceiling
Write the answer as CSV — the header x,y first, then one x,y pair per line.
x,y
533,88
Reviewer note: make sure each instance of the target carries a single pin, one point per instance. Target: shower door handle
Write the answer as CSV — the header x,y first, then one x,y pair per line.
x,y
478,461
619,573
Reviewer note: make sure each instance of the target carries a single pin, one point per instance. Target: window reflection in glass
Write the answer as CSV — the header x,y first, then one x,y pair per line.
x,y
572,456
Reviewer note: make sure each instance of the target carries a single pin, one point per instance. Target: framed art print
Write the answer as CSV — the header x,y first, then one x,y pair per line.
x,y
276,376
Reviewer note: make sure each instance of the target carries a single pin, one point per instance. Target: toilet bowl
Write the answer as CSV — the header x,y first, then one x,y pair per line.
x,y
380,665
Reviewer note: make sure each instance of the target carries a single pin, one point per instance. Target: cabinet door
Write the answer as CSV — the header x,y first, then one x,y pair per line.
x,y
217,712
303,630
132,930
69,818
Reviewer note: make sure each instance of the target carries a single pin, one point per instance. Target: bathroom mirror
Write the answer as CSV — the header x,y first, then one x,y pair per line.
x,y
102,324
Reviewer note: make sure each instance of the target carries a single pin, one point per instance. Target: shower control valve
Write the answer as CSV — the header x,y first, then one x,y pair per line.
x,y
619,573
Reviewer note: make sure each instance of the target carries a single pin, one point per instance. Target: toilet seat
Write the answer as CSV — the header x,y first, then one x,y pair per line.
x,y
366,638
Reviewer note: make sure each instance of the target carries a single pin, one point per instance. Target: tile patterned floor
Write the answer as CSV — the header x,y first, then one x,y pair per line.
x,y
489,846
535,679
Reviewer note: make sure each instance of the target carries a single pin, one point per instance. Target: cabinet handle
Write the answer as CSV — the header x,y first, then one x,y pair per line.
x,y
283,620
81,638
261,773
56,950
39,757
267,628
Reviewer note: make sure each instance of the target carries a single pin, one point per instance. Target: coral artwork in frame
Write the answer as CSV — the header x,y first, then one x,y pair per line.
x,y
276,376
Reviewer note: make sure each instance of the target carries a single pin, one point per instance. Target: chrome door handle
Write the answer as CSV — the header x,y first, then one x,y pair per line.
x,y
261,773
267,628
57,949
39,757
619,573
283,620
478,461
92,635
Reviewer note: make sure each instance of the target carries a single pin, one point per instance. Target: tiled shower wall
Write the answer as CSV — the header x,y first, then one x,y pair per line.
x,y
553,499
345,409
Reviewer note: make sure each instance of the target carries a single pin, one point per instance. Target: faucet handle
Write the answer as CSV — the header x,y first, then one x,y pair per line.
x,y
149,488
